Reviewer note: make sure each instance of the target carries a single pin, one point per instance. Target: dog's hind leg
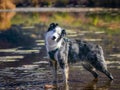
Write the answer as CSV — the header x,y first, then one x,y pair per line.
x,y
103,68
53,65
109,75
90,69
100,64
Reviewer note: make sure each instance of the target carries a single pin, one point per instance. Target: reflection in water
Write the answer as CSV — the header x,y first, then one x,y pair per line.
x,y
90,86
67,87
5,17
5,20
59,87
93,86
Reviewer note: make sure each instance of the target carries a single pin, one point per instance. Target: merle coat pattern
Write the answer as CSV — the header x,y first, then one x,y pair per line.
x,y
69,51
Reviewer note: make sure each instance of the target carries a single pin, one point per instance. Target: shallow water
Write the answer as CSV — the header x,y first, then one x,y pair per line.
x,y
27,68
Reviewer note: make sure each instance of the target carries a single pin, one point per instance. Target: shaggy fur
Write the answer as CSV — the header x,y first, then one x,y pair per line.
x,y
63,51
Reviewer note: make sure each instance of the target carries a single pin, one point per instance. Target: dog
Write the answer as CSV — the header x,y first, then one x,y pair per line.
x,y
63,51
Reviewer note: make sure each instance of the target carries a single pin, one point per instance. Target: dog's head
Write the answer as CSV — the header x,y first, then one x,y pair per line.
x,y
56,32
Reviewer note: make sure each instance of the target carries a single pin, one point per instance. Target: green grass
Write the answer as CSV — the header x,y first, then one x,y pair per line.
x,y
106,21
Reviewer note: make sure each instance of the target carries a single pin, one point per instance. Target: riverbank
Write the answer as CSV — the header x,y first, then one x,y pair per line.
x,y
54,9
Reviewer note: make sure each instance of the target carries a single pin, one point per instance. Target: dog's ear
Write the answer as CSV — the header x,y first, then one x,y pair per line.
x,y
56,24
52,26
63,32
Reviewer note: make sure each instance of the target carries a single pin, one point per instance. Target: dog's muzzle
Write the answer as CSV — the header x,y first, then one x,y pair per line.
x,y
53,38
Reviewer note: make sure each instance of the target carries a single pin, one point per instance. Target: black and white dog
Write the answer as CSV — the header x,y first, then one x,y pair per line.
x,y
62,51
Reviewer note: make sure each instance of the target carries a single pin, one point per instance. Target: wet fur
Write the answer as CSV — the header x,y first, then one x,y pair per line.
x,y
70,51
91,56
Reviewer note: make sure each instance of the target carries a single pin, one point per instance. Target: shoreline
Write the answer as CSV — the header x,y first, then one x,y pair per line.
x,y
54,9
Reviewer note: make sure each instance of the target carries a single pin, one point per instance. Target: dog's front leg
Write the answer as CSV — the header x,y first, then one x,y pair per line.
x,y
65,70
53,65
66,73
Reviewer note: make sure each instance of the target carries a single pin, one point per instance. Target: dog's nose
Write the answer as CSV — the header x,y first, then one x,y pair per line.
x,y
53,38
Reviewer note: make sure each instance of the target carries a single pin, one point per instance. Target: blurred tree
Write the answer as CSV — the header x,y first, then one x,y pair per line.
x,y
78,3
72,3
49,3
91,3
35,3
7,4
64,3
22,3
104,3
5,17
61,3
5,20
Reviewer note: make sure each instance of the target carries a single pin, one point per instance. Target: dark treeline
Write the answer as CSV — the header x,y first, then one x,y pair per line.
x,y
67,3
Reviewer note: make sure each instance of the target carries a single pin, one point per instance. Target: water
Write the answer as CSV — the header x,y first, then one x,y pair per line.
x,y
24,65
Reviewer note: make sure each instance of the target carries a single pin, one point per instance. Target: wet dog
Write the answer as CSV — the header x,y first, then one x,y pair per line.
x,y
63,51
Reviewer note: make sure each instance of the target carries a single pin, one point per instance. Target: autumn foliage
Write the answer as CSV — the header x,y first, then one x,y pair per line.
x,y
9,4
6,4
